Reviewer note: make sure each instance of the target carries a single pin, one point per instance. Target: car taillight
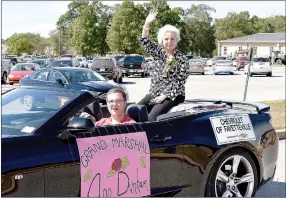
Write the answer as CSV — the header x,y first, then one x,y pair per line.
x,y
201,66
142,65
113,69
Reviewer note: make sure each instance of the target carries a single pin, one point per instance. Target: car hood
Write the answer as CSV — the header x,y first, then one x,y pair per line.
x,y
101,86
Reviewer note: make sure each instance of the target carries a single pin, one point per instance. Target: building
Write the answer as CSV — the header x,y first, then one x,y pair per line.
x,y
263,44
4,49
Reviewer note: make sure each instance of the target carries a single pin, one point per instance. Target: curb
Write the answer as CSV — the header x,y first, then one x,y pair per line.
x,y
281,134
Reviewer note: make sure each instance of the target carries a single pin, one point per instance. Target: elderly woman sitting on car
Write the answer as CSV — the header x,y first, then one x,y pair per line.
x,y
116,103
169,74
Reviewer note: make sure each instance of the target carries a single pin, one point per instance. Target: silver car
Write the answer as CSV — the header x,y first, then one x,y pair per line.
x,y
196,66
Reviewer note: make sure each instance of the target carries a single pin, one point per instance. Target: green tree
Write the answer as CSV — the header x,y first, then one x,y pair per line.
x,y
84,31
19,43
126,28
198,30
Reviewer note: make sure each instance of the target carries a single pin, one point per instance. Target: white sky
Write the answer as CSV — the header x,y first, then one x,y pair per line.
x,y
41,16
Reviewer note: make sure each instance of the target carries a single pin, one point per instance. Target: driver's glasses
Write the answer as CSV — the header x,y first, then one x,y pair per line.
x,y
119,102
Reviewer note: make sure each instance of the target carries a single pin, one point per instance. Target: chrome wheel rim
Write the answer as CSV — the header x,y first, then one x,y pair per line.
x,y
235,178
28,102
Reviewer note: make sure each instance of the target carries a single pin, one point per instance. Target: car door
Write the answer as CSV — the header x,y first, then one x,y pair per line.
x,y
61,159
166,154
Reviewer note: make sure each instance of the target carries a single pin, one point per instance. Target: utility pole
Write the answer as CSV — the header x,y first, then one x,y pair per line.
x,y
250,62
59,42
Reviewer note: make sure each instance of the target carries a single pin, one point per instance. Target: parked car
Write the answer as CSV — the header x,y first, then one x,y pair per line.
x,y
82,61
260,66
241,62
64,62
41,62
209,62
27,57
216,58
108,67
72,78
234,62
21,70
196,66
222,67
189,57
6,65
133,64
199,148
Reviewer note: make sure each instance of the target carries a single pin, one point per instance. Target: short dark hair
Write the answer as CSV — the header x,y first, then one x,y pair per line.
x,y
117,90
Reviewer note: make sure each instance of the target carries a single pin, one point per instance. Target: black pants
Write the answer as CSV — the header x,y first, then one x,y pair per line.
x,y
155,110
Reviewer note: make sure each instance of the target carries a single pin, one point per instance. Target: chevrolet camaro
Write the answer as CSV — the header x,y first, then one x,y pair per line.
x,y
199,148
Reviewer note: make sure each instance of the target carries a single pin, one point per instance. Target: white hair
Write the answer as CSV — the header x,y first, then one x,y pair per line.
x,y
168,28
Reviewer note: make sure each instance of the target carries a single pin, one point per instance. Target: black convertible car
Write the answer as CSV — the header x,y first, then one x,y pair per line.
x,y
199,148
71,78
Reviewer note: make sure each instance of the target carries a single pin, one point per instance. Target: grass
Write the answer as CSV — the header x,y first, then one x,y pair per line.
x,y
277,111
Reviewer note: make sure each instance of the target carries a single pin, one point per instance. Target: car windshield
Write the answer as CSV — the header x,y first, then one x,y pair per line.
x,y
195,62
264,60
189,57
220,58
62,63
76,76
243,58
25,110
103,62
79,59
133,59
25,67
224,62
39,62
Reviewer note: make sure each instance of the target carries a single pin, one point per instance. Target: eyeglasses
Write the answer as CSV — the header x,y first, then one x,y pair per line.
x,y
115,101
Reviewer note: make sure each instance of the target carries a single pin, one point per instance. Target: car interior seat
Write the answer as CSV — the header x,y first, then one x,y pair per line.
x,y
94,109
137,112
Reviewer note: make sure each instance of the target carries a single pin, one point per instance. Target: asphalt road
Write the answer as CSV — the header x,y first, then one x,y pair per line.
x,y
226,87
214,86
220,86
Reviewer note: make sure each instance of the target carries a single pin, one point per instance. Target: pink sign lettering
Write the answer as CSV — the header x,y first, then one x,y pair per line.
x,y
115,165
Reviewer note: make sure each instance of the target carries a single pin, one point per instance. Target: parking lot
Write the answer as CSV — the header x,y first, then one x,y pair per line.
x,y
211,86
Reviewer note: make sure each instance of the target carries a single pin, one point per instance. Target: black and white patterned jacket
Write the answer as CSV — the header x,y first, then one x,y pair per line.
x,y
169,81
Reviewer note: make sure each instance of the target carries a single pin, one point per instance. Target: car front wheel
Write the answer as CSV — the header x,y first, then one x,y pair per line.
x,y
234,174
28,102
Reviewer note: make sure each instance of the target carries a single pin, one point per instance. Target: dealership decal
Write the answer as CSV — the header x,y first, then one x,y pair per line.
x,y
232,128
115,165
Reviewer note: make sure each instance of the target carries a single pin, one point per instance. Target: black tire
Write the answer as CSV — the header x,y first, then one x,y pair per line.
x,y
121,80
116,79
231,73
4,77
251,74
10,83
225,159
269,74
142,75
203,73
278,62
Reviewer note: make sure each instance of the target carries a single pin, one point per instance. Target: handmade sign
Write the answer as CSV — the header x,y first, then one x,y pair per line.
x,y
115,165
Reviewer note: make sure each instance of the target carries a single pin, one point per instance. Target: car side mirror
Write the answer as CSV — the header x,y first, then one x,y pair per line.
x,y
76,125
79,124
